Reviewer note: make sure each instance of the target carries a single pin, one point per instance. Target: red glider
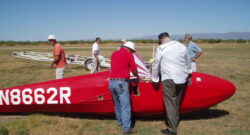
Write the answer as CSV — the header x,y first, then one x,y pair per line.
x,y
90,94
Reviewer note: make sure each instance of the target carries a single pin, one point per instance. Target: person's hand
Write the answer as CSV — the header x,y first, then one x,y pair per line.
x,y
155,85
51,65
134,83
189,80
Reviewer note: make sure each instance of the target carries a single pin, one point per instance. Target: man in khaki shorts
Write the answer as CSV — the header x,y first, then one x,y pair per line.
x,y
95,56
59,57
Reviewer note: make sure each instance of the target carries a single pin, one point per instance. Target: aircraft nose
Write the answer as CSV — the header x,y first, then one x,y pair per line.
x,y
231,88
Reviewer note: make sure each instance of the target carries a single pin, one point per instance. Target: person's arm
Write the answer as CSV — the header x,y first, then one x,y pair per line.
x,y
156,67
198,54
96,55
135,73
55,61
56,56
198,51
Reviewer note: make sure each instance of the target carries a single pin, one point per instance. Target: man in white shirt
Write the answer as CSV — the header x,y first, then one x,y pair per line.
x,y
173,64
95,55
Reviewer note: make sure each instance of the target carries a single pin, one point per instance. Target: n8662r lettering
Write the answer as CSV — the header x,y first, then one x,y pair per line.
x,y
38,96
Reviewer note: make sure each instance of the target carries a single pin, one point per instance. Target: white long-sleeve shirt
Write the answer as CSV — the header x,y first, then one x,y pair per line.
x,y
172,62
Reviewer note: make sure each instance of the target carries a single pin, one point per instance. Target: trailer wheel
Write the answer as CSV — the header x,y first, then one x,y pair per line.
x,y
88,64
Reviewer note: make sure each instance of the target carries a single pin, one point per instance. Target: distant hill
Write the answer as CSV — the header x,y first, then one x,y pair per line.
x,y
223,36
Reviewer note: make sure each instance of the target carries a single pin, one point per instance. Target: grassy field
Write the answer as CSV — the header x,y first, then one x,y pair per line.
x,y
232,117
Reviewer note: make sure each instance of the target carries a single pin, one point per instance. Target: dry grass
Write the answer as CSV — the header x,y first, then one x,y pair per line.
x,y
232,117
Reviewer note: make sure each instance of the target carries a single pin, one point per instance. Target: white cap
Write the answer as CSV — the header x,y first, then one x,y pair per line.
x,y
130,45
51,37
123,40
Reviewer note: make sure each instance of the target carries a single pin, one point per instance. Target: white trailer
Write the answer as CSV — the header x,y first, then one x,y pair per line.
x,y
71,59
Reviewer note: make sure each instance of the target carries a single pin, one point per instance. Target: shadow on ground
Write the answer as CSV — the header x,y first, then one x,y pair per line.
x,y
205,114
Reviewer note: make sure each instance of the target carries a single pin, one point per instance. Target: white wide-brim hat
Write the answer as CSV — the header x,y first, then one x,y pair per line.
x,y
130,45
52,37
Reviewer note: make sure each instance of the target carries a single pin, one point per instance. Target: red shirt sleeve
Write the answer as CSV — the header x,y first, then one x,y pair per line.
x,y
132,63
57,50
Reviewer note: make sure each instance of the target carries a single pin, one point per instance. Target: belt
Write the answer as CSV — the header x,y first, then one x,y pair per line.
x,y
119,79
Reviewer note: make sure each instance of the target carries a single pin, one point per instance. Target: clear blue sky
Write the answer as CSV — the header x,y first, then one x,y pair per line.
x,y
33,20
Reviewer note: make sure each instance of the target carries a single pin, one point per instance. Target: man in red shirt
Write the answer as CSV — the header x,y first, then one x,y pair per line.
x,y
122,62
59,57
